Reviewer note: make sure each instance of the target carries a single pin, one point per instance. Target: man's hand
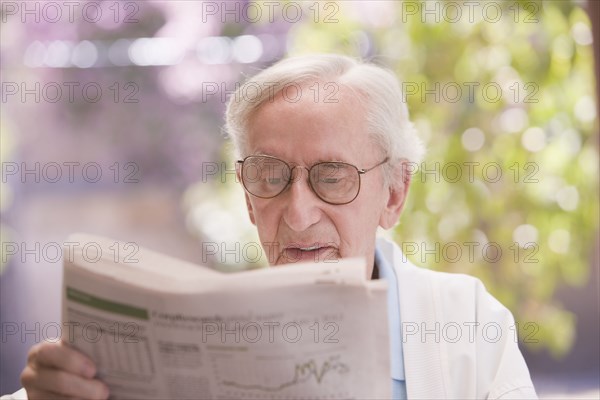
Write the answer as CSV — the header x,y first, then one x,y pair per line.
x,y
55,370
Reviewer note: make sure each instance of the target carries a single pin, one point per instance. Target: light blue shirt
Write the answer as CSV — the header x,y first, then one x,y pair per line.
x,y
397,357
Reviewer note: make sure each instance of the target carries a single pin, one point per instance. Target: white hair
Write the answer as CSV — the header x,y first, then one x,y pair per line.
x,y
377,89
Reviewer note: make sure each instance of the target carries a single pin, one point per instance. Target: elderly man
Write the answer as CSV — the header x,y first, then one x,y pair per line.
x,y
324,150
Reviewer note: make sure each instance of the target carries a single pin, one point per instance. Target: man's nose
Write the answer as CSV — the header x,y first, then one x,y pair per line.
x,y
302,208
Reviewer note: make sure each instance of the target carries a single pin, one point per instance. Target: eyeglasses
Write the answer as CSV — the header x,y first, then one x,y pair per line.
x,y
333,182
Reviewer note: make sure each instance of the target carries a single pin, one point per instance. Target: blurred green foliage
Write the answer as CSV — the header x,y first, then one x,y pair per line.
x,y
502,95
539,132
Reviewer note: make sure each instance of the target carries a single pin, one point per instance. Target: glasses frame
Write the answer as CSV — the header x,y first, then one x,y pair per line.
x,y
360,172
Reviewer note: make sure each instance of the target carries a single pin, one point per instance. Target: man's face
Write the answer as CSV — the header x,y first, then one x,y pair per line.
x,y
296,225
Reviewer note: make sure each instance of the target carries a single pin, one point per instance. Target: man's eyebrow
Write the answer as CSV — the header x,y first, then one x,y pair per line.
x,y
317,161
263,153
332,160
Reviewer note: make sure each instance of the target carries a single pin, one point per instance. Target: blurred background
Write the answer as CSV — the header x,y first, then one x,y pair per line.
x,y
111,123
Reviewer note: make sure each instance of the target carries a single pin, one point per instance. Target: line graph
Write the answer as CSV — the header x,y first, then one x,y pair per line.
x,y
301,372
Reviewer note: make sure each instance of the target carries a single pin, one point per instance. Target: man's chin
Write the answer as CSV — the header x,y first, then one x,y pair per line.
x,y
323,254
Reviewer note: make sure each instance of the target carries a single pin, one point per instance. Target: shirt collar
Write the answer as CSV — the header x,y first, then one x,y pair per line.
x,y
387,272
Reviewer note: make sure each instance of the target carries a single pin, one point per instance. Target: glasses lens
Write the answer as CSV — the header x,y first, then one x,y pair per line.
x,y
335,183
265,176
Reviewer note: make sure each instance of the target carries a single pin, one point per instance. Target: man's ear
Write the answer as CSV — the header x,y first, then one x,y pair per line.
x,y
398,191
250,210
248,204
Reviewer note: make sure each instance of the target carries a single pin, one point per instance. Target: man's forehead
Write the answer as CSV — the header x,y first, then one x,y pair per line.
x,y
318,92
311,130
342,112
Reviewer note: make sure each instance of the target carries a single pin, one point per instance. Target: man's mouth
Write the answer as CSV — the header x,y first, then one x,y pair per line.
x,y
308,253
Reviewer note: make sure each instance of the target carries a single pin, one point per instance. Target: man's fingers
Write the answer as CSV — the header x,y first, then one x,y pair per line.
x,y
33,394
62,384
55,370
61,356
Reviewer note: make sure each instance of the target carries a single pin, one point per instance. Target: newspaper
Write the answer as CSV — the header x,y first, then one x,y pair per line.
x,y
161,328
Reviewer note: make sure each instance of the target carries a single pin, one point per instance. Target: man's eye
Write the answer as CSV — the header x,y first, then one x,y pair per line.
x,y
273,181
330,180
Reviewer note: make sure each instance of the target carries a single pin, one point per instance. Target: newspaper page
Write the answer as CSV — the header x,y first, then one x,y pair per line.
x,y
301,331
